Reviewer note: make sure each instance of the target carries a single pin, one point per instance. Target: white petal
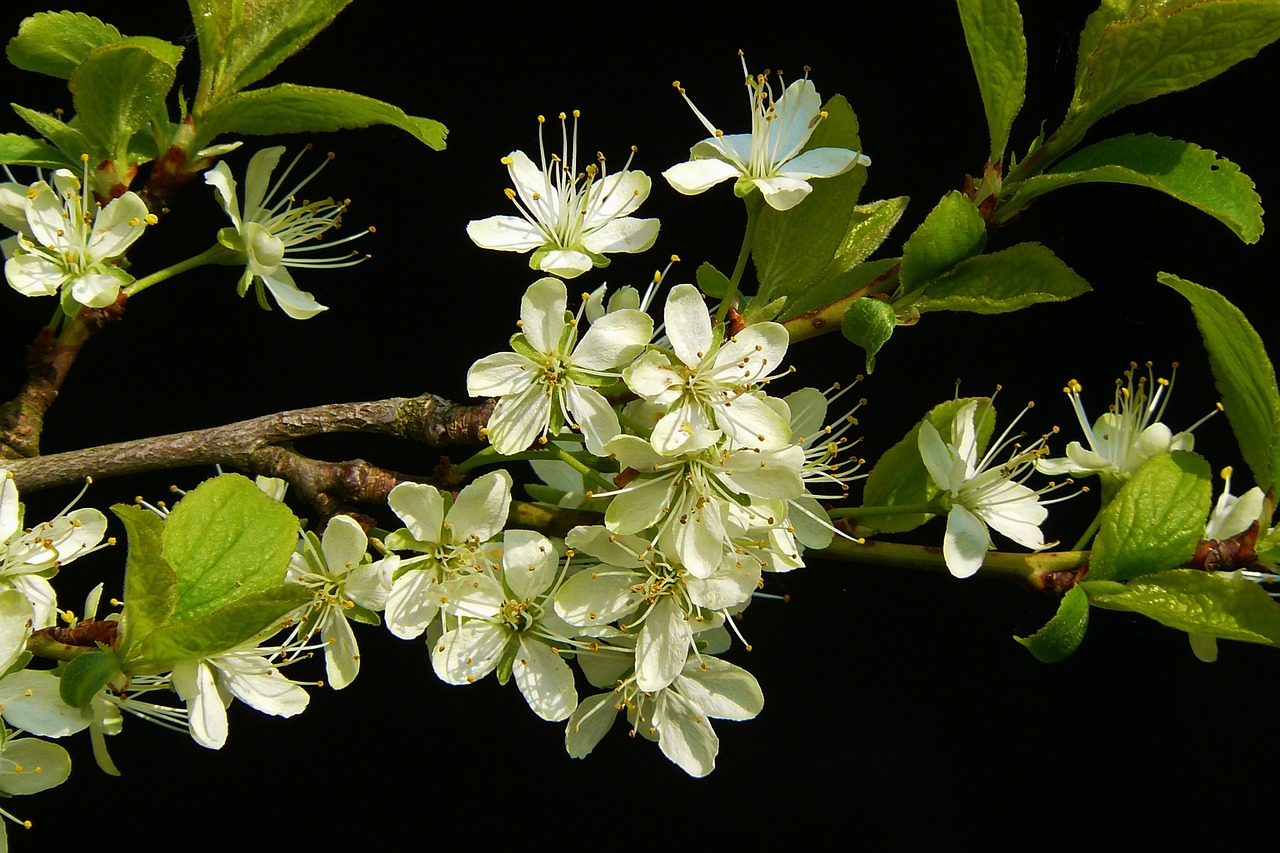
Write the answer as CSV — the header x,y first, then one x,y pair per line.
x,y
566,263
782,193
34,275
296,303
341,653
617,195
597,598
258,178
622,235
593,416
219,177
528,563
116,227
470,652
517,421
481,508
966,542
252,679
589,723
500,375
688,324
344,544
820,163
206,715
545,680
721,689
685,734
542,313
412,604
796,113
615,338
95,290
31,703
506,234
663,645
696,176
420,507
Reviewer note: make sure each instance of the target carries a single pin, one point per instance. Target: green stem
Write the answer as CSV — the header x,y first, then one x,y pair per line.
x,y
755,204
1090,532
216,254
1030,570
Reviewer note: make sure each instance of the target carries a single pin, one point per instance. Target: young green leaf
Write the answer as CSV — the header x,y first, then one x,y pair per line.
x,y
1062,634
998,50
117,90
711,281
85,676
1020,276
287,108
953,231
1197,602
869,323
226,540
150,588
899,476
1155,520
235,623
54,43
1244,375
1189,173
67,137
1145,48
19,150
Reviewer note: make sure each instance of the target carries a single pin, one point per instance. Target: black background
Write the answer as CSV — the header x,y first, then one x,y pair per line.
x,y
896,702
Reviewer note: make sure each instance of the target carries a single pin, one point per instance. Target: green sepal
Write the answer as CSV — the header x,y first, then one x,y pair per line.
x,y
84,677
998,50
899,476
506,662
520,344
792,248
1156,519
1187,172
1062,634
1229,608
1015,278
1244,376
117,90
288,108
361,614
869,323
19,150
953,230
711,281
1130,52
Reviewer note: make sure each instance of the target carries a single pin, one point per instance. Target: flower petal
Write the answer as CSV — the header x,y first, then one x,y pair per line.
x,y
966,542
696,176
506,234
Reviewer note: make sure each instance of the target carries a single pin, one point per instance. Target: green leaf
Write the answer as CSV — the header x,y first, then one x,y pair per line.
x,y
66,137
54,43
1199,603
868,227
1131,53
998,50
234,624
1020,276
19,150
1189,173
711,281
900,477
226,540
869,323
793,247
85,676
287,108
1062,634
240,43
117,90
1244,375
1155,520
150,588
953,231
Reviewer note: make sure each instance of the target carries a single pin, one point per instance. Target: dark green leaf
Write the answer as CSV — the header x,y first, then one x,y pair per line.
x,y
1155,520
226,540
793,247
1189,173
711,281
900,477
1020,276
953,231
85,676
297,109
19,150
998,49
1062,634
1244,375
869,324
1198,603
54,43
118,89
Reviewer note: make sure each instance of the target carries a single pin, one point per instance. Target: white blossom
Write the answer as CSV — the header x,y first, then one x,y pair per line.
x,y
569,218
771,158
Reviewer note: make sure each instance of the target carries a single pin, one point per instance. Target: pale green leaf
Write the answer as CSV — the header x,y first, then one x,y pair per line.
x,y
234,624
998,50
953,231
1062,634
117,90
1199,603
1244,376
66,137
1020,276
287,108
1155,520
1189,173
150,588
54,43
19,150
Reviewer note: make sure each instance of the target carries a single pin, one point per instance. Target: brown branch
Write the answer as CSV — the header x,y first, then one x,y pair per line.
x,y
252,445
